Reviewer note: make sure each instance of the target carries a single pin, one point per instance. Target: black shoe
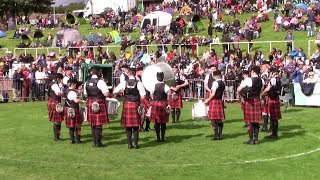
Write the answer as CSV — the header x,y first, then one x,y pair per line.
x,y
101,145
272,137
256,142
215,138
130,146
72,142
264,129
220,138
136,146
147,129
249,142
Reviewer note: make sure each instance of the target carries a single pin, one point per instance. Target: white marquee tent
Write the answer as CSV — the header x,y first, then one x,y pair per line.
x,y
157,18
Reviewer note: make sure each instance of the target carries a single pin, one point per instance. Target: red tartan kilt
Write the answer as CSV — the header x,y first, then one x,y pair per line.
x,y
176,104
216,110
72,122
146,104
54,116
274,109
158,112
252,110
100,118
130,116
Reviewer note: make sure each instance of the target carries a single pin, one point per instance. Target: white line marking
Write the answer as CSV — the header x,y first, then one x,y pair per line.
x,y
170,165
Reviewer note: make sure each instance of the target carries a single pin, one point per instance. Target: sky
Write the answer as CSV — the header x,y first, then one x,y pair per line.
x,y
66,2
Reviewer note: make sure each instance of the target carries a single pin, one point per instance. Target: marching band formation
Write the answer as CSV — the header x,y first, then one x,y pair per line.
x,y
259,91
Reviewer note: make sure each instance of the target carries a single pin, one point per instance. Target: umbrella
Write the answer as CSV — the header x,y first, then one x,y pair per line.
x,y
169,10
38,34
96,39
302,6
2,34
108,9
185,9
195,18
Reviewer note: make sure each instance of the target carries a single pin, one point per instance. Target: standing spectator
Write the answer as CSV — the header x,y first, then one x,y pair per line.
x,y
26,83
230,78
40,84
17,85
289,39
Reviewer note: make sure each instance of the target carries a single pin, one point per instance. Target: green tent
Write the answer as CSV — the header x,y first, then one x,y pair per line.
x,y
115,36
106,70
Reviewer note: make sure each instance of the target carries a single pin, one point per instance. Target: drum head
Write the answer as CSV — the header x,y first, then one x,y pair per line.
x,y
149,76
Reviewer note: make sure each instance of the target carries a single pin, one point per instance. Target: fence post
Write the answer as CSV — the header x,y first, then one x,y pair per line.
x,y
248,47
270,46
47,51
59,50
25,51
197,50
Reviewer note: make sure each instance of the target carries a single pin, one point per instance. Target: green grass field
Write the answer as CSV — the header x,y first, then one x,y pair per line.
x,y
28,151
268,34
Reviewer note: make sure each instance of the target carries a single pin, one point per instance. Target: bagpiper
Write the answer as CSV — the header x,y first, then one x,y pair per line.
x,y
71,111
96,91
55,107
273,91
252,104
216,107
160,111
131,115
175,99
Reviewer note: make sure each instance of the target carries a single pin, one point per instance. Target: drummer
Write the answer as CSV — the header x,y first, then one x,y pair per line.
x,y
175,99
131,119
216,109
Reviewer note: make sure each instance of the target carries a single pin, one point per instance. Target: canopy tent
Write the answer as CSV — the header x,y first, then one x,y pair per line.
x,y
303,7
66,35
96,39
38,34
11,25
115,36
26,39
156,18
2,34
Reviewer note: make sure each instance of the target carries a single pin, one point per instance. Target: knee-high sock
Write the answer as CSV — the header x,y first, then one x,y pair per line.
x,y
256,131
129,135
220,128
55,131
78,134
163,127
173,114
157,128
265,121
58,129
250,131
178,115
98,133
147,123
275,127
135,133
93,132
215,128
71,133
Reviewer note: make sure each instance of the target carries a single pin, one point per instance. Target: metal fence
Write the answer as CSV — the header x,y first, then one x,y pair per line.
x,y
17,90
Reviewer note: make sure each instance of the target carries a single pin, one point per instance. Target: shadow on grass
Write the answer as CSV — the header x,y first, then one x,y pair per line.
x,y
289,128
186,126
284,135
169,139
229,135
293,110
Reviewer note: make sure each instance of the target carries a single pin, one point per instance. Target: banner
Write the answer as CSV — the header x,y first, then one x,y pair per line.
x,y
303,100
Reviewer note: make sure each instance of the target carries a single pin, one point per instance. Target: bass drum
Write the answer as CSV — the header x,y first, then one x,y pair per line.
x,y
149,75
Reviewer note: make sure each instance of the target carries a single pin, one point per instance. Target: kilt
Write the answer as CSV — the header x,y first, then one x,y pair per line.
x,y
274,109
146,104
100,118
72,122
252,110
216,110
158,112
177,104
130,116
54,116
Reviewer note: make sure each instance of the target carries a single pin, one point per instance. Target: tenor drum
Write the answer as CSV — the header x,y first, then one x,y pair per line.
x,y
149,76
113,106
200,111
